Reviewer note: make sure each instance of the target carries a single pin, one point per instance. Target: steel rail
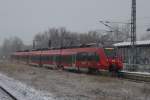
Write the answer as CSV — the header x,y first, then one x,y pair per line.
x,y
8,93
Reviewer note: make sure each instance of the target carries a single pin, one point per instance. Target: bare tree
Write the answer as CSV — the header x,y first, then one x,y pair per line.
x,y
60,37
11,45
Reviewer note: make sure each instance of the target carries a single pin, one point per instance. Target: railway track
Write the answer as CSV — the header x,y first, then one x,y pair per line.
x,y
136,76
6,95
133,76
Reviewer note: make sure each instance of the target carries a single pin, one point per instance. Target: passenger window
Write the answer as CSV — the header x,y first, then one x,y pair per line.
x,y
93,56
82,56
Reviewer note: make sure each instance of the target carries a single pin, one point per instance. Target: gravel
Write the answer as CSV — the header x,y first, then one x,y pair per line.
x,y
21,91
64,85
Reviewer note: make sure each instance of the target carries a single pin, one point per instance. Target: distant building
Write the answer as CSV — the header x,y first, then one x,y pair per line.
x,y
143,51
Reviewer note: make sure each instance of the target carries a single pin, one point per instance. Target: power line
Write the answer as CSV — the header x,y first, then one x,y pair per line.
x,y
117,22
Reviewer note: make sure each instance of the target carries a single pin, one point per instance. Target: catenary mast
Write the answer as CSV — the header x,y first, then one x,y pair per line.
x,y
133,31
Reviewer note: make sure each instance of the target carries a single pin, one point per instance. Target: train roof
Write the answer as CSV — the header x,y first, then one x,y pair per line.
x,y
90,45
55,52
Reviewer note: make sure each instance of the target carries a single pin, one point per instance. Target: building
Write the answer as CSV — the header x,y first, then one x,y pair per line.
x,y
142,54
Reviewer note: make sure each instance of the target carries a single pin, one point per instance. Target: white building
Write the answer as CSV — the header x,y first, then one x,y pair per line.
x,y
142,54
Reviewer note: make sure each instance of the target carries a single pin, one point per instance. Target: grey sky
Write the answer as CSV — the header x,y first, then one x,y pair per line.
x,y
25,18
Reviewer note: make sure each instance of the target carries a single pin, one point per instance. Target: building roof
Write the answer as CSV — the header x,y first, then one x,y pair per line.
x,y
138,43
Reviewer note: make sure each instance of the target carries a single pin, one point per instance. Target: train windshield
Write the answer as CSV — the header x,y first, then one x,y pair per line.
x,y
110,52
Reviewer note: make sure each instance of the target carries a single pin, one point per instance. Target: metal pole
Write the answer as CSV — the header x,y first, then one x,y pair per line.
x,y
49,43
33,44
133,31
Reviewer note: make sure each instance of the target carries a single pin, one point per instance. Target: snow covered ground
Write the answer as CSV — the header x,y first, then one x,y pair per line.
x,y
64,85
140,73
21,91
4,96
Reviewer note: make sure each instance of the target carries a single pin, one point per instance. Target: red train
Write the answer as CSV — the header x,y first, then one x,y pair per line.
x,y
90,58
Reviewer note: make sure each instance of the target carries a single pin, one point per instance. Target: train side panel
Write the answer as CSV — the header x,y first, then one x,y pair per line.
x,y
76,58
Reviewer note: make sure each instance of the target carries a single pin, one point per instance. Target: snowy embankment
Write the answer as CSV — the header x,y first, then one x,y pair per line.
x,y
22,91
139,73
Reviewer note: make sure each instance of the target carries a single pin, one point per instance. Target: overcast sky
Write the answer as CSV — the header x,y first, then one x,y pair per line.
x,y
25,18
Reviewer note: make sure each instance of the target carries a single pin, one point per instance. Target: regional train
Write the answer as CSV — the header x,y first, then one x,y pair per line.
x,y
91,58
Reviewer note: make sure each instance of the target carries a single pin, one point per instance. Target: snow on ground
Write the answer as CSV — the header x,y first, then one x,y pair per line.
x,y
66,85
22,91
4,96
140,73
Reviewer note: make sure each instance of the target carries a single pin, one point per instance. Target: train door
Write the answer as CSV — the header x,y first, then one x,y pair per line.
x,y
73,59
91,59
82,60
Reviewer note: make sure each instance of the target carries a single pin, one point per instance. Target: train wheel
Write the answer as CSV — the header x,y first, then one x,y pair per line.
x,y
40,65
57,67
113,70
78,70
62,67
92,70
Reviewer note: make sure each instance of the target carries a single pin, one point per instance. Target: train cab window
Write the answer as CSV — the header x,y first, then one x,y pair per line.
x,y
110,52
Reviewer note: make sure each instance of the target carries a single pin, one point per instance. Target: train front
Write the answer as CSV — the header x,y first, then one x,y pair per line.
x,y
115,62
